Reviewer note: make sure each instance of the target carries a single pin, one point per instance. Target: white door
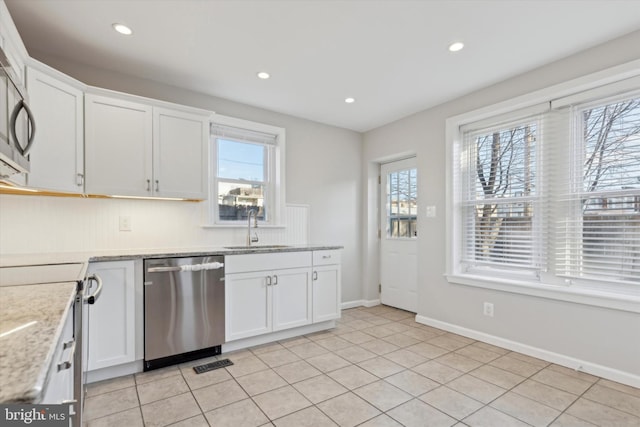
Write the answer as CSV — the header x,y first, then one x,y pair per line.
x,y
399,234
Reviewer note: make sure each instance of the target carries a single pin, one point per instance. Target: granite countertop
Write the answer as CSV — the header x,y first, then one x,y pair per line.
x,y
225,250
27,354
128,254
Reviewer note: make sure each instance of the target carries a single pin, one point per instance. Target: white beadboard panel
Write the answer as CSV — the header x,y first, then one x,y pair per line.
x,y
33,224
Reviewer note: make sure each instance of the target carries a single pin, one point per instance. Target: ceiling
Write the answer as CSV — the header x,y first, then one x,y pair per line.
x,y
391,56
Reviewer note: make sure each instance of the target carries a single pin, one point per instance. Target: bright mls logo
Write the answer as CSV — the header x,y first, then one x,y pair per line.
x,y
34,415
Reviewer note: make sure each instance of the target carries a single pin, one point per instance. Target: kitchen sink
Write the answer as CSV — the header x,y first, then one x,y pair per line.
x,y
257,247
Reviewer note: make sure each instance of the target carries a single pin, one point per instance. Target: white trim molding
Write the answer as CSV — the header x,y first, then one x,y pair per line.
x,y
549,356
359,303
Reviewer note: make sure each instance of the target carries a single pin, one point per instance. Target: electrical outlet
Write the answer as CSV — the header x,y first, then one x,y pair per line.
x,y
125,223
488,309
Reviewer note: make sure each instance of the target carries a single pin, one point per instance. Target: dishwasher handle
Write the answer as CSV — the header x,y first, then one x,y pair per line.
x,y
192,267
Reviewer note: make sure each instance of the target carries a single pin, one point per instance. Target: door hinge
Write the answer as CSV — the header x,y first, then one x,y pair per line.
x,y
379,288
379,179
379,234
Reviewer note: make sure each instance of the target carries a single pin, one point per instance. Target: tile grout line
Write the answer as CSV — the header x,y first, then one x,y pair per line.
x,y
399,321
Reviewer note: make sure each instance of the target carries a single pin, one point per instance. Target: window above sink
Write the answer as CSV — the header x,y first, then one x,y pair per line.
x,y
246,166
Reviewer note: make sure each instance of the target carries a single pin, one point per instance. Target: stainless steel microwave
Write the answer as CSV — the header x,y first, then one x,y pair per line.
x,y
17,125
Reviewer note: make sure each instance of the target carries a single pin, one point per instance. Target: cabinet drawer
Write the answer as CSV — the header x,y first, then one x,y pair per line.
x,y
270,261
326,257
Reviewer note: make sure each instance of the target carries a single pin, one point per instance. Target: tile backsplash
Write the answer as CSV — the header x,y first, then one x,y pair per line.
x,y
33,224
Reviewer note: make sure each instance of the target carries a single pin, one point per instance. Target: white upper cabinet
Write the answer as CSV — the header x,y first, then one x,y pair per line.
x,y
57,157
118,146
136,149
179,153
12,43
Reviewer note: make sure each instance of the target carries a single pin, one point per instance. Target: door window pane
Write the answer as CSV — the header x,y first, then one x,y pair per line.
x,y
402,199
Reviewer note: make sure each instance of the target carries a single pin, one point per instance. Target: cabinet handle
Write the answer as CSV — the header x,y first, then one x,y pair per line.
x,y
69,362
79,179
326,256
315,275
268,280
157,185
148,185
91,299
275,279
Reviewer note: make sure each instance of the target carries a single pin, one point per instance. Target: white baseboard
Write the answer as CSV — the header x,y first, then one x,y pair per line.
x,y
114,371
559,359
360,303
276,336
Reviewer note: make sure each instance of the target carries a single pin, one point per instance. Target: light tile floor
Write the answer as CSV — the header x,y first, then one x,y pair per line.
x,y
377,368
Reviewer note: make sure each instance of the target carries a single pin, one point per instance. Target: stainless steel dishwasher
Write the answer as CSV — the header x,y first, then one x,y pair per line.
x,y
183,309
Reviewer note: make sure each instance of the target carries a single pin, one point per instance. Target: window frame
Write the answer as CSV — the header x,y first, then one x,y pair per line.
x,y
274,174
578,192
545,284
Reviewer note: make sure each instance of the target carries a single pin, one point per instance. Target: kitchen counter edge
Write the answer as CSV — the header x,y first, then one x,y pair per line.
x,y
213,252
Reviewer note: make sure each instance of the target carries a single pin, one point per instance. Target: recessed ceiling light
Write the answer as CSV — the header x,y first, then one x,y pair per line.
x,y
349,100
455,47
263,75
122,29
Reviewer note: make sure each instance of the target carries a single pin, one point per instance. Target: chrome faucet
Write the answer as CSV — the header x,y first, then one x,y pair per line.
x,y
251,239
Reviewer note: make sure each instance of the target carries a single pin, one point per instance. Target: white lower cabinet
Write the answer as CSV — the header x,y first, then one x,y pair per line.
x,y
267,301
267,293
110,328
326,285
275,291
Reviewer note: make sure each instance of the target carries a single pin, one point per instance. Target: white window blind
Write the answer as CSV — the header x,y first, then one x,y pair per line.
x,y
240,134
499,197
597,217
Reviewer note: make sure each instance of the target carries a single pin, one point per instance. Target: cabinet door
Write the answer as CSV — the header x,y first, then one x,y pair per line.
x,y
326,292
111,320
292,298
118,144
179,154
247,305
57,157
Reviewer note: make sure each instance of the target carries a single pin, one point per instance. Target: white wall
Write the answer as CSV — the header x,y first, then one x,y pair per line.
x,y
322,171
604,338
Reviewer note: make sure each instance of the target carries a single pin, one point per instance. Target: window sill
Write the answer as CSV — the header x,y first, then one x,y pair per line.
x,y
573,293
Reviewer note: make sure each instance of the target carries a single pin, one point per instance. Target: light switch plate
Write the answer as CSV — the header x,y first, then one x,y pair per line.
x,y
125,223
431,211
